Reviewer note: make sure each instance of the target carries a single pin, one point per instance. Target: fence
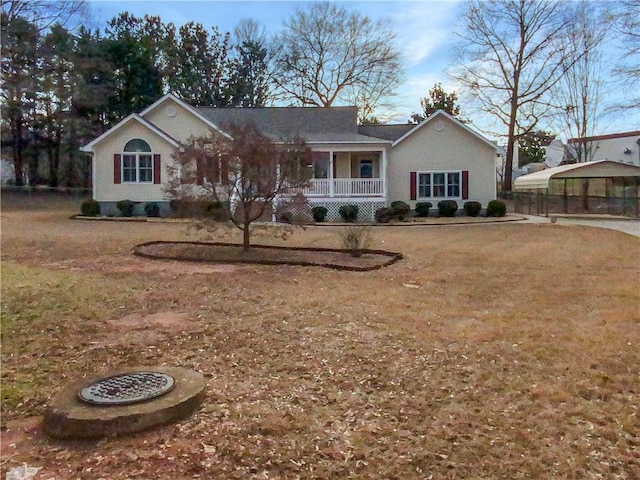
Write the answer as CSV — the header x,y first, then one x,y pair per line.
x,y
542,203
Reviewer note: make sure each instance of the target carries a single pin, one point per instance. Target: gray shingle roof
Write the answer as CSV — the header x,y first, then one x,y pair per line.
x,y
335,124
387,132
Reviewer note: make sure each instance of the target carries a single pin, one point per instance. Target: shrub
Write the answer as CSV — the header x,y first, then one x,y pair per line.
x,y
176,206
400,209
152,209
319,213
422,208
286,217
125,207
349,213
295,209
90,208
356,238
472,208
384,215
496,208
447,208
214,210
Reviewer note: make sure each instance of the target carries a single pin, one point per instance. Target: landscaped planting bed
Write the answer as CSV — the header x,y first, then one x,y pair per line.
x,y
218,252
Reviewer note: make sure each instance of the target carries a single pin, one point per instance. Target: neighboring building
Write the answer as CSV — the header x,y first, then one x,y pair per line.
x,y
368,165
7,171
620,147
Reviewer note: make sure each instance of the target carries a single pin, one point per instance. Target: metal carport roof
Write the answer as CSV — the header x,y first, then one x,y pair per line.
x,y
596,169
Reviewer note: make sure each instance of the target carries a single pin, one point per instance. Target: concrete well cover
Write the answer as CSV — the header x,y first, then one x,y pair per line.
x,y
69,417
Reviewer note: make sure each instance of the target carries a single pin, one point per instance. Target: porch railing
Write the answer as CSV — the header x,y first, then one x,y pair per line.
x,y
345,187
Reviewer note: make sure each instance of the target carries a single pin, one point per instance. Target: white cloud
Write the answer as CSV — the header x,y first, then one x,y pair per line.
x,y
422,28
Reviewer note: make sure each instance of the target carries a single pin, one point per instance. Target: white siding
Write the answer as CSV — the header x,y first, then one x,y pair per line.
x,y
442,146
183,125
622,149
104,189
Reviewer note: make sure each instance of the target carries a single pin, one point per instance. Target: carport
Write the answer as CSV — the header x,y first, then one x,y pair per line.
x,y
602,186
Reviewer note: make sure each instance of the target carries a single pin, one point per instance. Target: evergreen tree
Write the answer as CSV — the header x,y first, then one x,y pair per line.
x,y
438,100
19,47
133,50
200,66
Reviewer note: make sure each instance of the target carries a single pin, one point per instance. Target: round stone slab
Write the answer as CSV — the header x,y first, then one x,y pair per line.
x,y
69,417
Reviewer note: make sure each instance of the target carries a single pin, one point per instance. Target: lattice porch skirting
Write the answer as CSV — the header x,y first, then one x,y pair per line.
x,y
366,208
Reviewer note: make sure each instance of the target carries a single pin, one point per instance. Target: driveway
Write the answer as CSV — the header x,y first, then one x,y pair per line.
x,y
630,226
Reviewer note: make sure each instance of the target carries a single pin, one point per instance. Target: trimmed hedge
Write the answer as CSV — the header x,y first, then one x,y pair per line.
x,y
400,209
90,208
472,209
152,209
422,208
384,215
349,213
496,208
125,207
319,213
447,208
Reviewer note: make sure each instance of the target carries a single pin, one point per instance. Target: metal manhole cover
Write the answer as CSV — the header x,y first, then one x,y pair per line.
x,y
127,388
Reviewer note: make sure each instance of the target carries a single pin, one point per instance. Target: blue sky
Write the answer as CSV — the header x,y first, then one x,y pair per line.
x,y
424,33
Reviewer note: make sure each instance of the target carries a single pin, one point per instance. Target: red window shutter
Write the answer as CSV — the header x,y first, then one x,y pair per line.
x,y
156,168
117,166
412,185
465,184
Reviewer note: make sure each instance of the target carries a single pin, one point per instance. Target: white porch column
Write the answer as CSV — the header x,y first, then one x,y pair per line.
x,y
330,175
383,173
276,198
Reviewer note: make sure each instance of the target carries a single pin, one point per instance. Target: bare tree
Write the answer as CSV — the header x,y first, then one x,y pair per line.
x,y
578,94
242,173
329,55
45,13
509,63
627,25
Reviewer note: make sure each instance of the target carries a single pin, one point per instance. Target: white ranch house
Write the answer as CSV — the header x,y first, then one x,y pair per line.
x,y
368,165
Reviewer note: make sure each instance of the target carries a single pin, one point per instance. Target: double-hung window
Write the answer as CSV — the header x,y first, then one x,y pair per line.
x,y
137,162
439,184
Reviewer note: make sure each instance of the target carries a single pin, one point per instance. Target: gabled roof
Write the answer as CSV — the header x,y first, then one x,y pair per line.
x,y
387,132
195,111
597,169
334,125
315,124
134,117
442,113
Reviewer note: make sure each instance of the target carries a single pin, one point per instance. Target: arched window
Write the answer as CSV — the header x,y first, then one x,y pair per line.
x,y
137,145
137,162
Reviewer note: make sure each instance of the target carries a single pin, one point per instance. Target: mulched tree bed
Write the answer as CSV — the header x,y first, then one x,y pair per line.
x,y
217,252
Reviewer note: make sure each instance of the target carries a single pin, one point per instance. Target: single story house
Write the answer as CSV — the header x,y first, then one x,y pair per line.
x,y
368,165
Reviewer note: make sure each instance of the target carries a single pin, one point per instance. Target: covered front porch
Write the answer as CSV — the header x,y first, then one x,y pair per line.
x,y
348,174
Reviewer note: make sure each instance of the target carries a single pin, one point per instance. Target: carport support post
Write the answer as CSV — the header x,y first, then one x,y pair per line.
x,y
546,202
636,198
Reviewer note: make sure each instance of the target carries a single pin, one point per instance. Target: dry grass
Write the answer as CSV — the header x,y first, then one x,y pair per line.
x,y
490,351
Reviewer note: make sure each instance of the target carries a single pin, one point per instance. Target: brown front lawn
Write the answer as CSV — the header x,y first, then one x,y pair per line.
x,y
490,351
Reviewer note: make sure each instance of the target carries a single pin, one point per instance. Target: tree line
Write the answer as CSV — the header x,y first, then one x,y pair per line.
x,y
62,88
